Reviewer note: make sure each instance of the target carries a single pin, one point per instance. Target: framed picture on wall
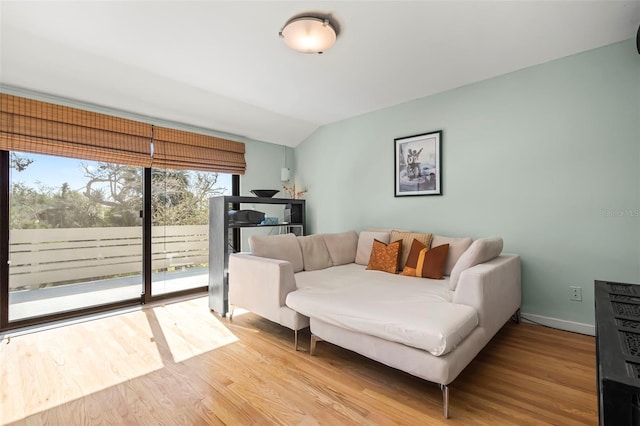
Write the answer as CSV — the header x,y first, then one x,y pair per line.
x,y
418,164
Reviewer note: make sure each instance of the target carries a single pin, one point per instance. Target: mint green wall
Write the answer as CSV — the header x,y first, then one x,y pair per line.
x,y
542,157
264,161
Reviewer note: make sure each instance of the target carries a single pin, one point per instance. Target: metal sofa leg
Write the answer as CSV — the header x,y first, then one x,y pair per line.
x,y
314,341
516,317
231,309
445,400
295,339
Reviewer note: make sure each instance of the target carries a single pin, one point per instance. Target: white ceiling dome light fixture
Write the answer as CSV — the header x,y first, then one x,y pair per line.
x,y
309,34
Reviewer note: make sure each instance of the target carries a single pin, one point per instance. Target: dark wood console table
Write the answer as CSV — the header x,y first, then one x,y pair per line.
x,y
618,352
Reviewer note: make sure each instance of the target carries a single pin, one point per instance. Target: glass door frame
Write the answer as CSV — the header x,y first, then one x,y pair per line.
x,y
146,267
4,239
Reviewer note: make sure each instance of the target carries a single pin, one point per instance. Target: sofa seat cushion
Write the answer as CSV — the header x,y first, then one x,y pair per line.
x,y
416,312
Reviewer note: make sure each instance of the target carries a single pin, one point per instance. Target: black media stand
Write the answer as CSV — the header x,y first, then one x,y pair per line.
x,y
221,242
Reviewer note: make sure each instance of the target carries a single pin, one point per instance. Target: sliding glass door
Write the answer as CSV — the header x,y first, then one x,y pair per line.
x,y
86,224
180,227
75,234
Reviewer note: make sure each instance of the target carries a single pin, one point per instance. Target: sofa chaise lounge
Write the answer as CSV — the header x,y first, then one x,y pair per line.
x,y
429,328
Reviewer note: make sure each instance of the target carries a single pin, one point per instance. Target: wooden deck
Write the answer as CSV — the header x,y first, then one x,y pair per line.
x,y
180,364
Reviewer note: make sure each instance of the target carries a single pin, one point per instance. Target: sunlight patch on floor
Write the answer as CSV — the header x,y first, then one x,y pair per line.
x,y
54,366
48,368
191,329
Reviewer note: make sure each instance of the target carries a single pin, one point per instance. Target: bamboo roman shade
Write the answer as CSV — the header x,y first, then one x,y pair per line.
x,y
43,128
176,149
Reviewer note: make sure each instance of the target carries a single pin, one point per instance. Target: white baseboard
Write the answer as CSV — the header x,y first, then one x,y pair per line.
x,y
575,327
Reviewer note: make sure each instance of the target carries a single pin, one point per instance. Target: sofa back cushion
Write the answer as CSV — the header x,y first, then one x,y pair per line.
x,y
282,247
315,254
407,240
342,247
365,243
457,246
482,250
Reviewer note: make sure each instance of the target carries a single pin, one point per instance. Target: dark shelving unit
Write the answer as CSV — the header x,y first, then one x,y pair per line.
x,y
220,244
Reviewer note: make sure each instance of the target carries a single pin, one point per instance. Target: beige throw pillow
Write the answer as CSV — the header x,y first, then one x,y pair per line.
x,y
365,243
457,246
407,240
482,250
314,252
282,247
342,247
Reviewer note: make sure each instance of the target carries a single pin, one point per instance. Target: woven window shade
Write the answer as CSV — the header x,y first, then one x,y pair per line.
x,y
42,128
176,149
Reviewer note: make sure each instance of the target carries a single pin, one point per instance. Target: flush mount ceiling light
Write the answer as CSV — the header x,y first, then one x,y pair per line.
x,y
309,34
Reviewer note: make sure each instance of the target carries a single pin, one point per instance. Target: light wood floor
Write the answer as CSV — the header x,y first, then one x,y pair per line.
x,y
179,364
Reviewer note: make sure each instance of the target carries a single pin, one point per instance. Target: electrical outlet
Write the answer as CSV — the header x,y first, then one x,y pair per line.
x,y
575,293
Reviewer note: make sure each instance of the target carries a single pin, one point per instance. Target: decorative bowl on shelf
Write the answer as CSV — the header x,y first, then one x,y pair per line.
x,y
267,193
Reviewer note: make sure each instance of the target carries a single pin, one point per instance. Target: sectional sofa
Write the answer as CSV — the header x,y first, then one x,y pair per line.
x,y
430,328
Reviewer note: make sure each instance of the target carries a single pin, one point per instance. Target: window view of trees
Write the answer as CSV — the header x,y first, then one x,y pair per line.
x,y
76,225
181,197
110,196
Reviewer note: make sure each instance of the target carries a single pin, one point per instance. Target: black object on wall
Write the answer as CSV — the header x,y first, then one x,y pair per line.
x,y
638,40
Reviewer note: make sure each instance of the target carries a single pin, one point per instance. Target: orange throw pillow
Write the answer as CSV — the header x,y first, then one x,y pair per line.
x,y
431,263
426,263
412,259
385,257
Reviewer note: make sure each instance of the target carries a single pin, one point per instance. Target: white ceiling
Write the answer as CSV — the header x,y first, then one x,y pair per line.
x,y
220,65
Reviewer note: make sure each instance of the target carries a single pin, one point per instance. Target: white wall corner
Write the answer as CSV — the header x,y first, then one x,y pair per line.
x,y
574,327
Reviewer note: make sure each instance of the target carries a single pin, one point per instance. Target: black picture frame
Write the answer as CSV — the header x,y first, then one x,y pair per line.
x,y
418,164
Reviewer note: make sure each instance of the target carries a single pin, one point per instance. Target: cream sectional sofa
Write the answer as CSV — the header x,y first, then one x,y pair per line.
x,y
429,328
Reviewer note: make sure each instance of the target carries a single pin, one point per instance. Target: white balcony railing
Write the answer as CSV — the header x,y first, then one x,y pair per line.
x,y
46,257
